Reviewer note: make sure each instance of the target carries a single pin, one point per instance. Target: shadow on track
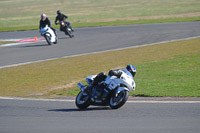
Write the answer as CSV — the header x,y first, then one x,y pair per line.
x,y
64,37
37,45
78,110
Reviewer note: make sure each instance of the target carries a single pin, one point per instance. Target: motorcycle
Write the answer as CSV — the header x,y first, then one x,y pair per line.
x,y
111,92
65,26
49,35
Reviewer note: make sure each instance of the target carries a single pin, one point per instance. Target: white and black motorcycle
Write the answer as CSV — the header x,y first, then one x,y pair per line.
x,y
113,91
49,35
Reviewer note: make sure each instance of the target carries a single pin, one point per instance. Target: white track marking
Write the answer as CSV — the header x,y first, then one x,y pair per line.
x,y
162,42
152,101
14,44
31,99
21,41
73,100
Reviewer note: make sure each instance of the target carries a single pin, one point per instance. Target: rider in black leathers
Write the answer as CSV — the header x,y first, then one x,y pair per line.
x,y
61,17
45,21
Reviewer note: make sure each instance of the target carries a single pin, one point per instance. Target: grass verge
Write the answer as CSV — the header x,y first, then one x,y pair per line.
x,y
25,15
109,23
131,22
169,69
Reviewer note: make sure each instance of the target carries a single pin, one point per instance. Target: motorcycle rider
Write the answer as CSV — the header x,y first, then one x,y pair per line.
x,y
61,17
45,21
130,70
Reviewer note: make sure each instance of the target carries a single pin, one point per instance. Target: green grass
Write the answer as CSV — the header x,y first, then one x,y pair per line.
x,y
131,22
170,69
25,15
176,77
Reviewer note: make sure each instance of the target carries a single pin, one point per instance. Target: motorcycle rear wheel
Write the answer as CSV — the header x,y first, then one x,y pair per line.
x,y
120,100
56,41
82,101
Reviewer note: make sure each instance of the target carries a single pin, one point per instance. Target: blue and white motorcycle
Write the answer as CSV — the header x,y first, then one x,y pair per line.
x,y
112,91
49,35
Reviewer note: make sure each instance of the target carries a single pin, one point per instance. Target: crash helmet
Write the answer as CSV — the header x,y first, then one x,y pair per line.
x,y
43,16
131,69
58,12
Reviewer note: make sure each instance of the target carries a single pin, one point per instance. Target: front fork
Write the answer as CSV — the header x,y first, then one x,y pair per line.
x,y
119,89
81,86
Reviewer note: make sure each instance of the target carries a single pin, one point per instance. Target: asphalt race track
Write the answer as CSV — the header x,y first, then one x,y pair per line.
x,y
61,116
96,39
31,116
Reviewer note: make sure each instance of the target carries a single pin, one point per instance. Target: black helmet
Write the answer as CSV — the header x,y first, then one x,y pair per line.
x,y
59,12
131,69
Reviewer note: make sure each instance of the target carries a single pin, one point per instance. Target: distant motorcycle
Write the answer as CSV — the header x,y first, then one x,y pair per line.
x,y
49,35
65,26
111,92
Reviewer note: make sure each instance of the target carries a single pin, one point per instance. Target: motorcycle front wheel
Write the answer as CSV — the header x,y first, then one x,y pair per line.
x,y
120,100
82,101
48,39
69,32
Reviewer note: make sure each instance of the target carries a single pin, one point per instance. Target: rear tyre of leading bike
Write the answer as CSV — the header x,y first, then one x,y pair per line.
x,y
56,41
